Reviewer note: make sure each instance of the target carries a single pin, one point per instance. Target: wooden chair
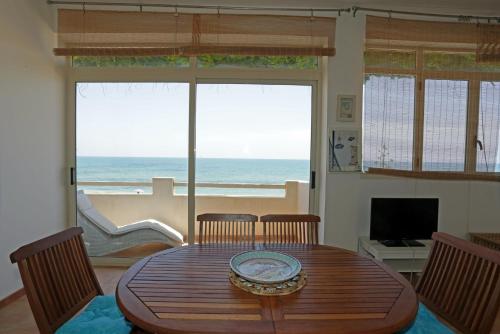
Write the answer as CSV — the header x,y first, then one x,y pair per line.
x,y
461,283
490,240
222,228
57,277
292,229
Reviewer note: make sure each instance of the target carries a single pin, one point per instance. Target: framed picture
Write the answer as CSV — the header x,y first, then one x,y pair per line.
x,y
343,151
346,108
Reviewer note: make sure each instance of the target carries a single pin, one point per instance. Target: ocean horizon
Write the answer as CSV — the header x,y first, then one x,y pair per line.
x,y
210,170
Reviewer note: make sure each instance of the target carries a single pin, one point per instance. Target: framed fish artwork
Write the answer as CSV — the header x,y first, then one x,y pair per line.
x,y
343,151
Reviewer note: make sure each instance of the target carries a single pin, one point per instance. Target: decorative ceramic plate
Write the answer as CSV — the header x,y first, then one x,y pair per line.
x,y
265,267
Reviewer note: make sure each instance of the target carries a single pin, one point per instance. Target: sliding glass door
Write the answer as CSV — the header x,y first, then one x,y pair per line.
x,y
253,148
151,156
131,166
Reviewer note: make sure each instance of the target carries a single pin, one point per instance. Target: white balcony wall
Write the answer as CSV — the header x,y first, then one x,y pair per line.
x,y
164,205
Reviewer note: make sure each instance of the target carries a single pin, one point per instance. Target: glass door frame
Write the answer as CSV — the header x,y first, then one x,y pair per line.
x,y
193,76
314,119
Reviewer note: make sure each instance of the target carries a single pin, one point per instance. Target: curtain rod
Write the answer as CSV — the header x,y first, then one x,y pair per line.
x,y
354,9
463,18
211,7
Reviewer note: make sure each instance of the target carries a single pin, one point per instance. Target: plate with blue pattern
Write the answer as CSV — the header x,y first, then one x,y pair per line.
x,y
265,267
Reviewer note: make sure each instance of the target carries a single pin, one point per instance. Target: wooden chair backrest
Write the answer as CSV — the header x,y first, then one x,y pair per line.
x,y
461,283
218,228
490,240
57,277
291,229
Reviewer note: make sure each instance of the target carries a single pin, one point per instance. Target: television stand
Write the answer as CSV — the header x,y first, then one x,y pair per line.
x,y
401,243
403,259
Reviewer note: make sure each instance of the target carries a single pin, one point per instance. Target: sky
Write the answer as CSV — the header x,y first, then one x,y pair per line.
x,y
233,120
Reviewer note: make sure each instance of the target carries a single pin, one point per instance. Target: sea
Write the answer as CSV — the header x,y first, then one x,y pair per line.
x,y
210,170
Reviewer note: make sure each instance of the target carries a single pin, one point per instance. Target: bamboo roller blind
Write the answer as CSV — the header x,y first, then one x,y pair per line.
x,y
120,33
485,38
488,48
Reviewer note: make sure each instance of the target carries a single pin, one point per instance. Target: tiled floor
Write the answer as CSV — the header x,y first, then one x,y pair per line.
x,y
140,251
16,318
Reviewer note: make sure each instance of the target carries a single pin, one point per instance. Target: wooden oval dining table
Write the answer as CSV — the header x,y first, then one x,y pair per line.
x,y
187,290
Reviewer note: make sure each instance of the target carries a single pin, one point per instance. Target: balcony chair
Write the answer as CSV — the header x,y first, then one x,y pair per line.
x,y
290,229
220,228
461,284
59,281
103,237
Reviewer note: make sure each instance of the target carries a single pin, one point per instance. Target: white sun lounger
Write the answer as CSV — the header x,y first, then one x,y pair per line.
x,y
103,237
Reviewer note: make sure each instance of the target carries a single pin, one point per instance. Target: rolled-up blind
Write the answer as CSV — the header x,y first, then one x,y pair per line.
x,y
483,37
488,46
120,33
418,32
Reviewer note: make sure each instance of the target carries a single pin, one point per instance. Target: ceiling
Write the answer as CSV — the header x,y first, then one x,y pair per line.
x,y
459,7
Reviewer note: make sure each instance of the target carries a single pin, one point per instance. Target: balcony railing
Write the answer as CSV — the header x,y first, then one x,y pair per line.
x,y
163,204
184,184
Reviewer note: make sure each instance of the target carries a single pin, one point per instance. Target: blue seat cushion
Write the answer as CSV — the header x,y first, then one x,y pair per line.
x,y
101,316
427,323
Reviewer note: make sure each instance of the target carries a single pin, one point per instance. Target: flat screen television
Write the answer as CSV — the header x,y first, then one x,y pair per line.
x,y
399,221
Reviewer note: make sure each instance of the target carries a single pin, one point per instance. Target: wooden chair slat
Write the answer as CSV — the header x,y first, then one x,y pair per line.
x,y
41,285
491,308
48,276
58,281
461,283
56,256
219,228
74,270
290,229
446,291
478,293
57,277
455,281
39,312
70,274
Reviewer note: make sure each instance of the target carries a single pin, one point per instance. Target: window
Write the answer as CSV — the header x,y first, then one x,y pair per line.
x,y
390,59
255,138
488,132
461,61
431,99
276,62
269,127
153,61
416,113
206,61
388,121
445,116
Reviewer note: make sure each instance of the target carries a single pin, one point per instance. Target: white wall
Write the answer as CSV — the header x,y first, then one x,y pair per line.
x,y
32,192
464,205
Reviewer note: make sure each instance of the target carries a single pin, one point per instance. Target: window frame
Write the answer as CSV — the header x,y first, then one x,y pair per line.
x,y
412,126
194,75
473,99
